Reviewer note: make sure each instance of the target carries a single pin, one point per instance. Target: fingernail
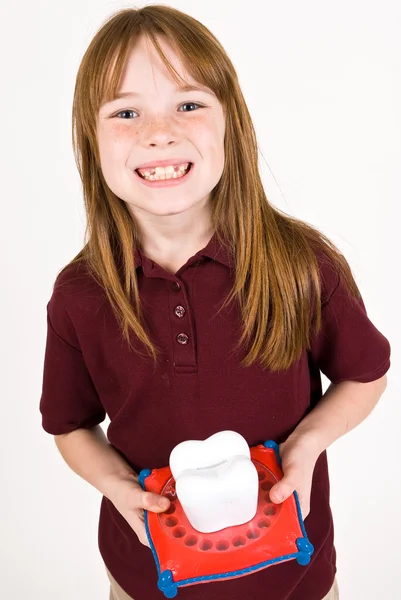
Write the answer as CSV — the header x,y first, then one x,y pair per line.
x,y
278,495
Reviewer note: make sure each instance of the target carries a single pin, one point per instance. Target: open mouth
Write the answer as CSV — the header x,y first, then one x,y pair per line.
x,y
180,174
152,171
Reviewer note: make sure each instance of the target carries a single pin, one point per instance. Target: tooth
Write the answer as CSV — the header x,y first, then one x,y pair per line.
x,y
216,481
162,170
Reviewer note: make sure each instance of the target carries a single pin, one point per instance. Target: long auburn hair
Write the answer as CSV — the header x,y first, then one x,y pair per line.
x,y
276,267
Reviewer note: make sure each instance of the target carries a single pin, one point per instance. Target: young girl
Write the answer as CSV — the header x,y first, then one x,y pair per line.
x,y
195,305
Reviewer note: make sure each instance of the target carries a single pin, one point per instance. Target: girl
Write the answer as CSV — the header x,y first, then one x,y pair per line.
x,y
195,305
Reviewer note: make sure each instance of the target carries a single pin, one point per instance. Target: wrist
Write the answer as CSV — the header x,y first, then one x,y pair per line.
x,y
115,483
309,439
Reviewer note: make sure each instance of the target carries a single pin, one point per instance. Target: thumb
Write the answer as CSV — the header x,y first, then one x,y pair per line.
x,y
281,491
155,502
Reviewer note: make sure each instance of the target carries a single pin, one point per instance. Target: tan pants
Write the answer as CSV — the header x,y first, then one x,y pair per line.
x,y
117,593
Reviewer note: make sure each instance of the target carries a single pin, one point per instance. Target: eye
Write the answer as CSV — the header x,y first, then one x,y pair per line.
x,y
191,104
128,110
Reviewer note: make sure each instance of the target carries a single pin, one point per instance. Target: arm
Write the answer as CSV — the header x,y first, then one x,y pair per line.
x,y
341,408
89,454
92,457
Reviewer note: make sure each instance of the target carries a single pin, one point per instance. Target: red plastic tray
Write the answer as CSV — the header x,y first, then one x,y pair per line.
x,y
184,556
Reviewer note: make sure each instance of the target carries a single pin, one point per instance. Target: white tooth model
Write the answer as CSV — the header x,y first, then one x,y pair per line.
x,y
216,481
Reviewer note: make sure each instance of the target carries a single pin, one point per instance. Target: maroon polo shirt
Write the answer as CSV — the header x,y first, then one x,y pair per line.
x,y
198,388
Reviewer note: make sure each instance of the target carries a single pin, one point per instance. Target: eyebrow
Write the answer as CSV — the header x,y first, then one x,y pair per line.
x,y
185,88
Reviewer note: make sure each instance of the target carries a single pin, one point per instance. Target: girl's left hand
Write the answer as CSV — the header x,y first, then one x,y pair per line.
x,y
298,456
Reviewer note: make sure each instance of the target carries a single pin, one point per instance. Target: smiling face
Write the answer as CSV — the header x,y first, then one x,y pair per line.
x,y
160,122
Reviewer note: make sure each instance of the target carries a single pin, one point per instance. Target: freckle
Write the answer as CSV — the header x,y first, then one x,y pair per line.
x,y
197,119
123,131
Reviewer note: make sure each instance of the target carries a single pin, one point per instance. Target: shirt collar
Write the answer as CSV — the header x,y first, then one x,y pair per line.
x,y
214,250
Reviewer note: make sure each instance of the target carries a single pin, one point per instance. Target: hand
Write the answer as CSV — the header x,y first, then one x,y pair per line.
x,y
298,456
130,500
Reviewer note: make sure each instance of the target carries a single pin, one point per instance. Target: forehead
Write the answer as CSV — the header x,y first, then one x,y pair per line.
x,y
143,50
144,64
145,73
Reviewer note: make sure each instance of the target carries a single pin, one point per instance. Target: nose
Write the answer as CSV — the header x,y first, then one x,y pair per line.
x,y
159,133
161,143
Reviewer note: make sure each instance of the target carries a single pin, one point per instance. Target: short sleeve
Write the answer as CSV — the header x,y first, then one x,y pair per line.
x,y
69,399
348,345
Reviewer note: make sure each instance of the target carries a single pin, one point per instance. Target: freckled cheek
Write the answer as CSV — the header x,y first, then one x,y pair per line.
x,y
207,137
123,132
116,142
121,137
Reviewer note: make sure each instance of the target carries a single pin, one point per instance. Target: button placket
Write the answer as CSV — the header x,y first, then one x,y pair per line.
x,y
182,336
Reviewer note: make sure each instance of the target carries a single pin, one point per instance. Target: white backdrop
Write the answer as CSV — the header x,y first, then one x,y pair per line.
x,y
323,84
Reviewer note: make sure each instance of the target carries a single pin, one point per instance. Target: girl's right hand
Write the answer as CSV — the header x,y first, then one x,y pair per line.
x,y
130,500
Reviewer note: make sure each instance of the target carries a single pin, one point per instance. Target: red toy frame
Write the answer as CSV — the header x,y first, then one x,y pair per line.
x,y
185,556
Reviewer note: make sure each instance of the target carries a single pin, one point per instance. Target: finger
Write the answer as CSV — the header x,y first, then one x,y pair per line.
x,y
305,513
136,522
141,533
143,538
155,502
282,490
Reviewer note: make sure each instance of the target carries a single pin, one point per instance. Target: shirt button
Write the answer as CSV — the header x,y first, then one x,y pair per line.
x,y
182,338
179,311
176,286
196,263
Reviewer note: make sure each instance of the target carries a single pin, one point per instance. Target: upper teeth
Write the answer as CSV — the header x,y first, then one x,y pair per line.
x,y
216,481
169,169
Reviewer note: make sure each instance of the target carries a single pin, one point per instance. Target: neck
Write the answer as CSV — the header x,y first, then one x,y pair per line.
x,y
172,240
